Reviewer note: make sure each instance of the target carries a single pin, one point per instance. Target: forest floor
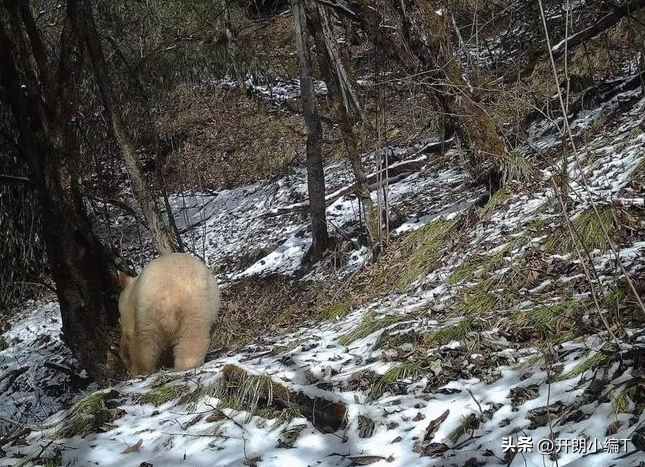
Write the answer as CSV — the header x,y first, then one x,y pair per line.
x,y
477,328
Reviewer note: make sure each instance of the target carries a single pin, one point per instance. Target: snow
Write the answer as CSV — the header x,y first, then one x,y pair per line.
x,y
276,91
170,439
230,227
37,391
285,259
504,385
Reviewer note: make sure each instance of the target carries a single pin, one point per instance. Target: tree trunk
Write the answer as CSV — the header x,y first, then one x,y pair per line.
x,y
421,41
160,158
315,174
146,191
83,271
231,43
342,89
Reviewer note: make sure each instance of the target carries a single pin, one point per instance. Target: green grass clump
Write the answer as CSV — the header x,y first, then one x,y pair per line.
x,y
620,402
486,264
477,300
258,395
537,225
85,417
549,319
456,332
598,359
160,395
468,424
408,370
338,311
616,299
588,228
423,248
463,272
499,198
396,338
369,325
517,168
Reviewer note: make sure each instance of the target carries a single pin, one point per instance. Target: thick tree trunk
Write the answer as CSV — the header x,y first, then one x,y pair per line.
x,y
346,105
83,271
315,174
146,191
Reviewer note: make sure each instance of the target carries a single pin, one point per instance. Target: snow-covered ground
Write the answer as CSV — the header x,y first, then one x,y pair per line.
x,y
31,391
412,399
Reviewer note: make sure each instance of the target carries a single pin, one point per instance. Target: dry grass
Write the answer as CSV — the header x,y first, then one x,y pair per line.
x,y
258,306
228,140
589,228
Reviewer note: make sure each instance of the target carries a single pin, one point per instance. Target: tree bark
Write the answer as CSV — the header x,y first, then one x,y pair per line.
x,y
83,271
146,191
342,88
315,174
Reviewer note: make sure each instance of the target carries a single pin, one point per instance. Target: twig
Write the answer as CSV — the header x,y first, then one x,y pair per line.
x,y
14,178
229,418
32,458
476,401
77,379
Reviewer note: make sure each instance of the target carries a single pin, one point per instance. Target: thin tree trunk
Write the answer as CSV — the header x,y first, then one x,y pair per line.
x,y
83,271
160,159
315,174
231,43
346,106
146,191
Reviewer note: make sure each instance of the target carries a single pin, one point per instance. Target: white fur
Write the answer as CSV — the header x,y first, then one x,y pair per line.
x,y
172,303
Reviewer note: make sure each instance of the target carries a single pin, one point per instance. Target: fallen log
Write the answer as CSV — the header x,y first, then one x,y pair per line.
x,y
600,26
590,97
577,39
394,172
260,392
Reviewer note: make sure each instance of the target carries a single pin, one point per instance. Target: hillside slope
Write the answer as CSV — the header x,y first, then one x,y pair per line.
x,y
480,324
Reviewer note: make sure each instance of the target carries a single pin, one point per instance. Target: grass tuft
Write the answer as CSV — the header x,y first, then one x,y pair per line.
x,y
463,272
588,228
548,321
499,198
258,395
395,338
468,424
517,168
456,332
338,311
369,325
247,392
85,417
162,394
477,300
597,360
621,402
486,265
408,370
423,248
